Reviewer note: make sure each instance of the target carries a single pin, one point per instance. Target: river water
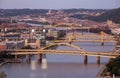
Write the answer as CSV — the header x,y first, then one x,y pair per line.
x,y
61,66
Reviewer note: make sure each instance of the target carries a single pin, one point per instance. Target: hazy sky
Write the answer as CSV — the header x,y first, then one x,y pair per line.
x,y
59,4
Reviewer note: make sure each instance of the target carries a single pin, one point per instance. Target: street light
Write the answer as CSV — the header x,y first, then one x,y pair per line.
x,y
44,30
44,35
5,29
5,33
32,31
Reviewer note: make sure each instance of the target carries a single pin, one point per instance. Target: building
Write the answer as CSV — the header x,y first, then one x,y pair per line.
x,y
15,44
115,31
3,46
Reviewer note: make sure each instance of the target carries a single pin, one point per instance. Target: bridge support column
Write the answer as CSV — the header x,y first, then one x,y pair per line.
x,y
102,43
98,59
38,43
39,58
26,42
28,58
85,59
102,38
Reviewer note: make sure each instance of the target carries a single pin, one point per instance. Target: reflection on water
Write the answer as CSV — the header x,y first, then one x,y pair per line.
x,y
44,63
33,65
32,75
45,75
54,70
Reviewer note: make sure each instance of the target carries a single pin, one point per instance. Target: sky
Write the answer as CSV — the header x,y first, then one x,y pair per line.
x,y
59,4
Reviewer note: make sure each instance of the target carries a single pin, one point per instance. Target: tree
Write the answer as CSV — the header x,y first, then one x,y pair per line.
x,y
113,66
5,54
3,75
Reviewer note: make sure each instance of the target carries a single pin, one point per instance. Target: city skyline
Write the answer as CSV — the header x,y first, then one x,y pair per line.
x,y
59,4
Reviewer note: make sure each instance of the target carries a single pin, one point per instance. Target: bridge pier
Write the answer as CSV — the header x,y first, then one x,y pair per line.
x,y
102,43
39,58
70,42
102,38
38,43
28,58
26,42
85,59
98,59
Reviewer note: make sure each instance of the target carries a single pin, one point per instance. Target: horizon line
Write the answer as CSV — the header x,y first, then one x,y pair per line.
x,y
64,8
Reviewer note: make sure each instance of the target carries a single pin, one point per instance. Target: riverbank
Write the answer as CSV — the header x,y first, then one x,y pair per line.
x,y
100,73
103,72
10,61
5,62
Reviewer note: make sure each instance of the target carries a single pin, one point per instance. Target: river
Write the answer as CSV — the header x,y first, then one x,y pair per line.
x,y
61,66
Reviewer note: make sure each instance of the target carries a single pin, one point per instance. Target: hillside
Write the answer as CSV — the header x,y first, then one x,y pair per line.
x,y
113,15
15,12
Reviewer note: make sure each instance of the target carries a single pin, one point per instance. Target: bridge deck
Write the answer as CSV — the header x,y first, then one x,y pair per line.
x,y
58,41
36,51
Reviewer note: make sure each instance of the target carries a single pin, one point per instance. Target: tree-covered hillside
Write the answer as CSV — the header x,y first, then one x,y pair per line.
x,y
15,12
113,15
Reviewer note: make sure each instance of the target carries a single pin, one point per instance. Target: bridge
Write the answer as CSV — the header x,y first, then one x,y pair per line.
x,y
72,37
78,51
68,27
77,37
37,51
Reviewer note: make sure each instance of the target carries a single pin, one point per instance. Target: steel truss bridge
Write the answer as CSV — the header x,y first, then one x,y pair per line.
x,y
78,51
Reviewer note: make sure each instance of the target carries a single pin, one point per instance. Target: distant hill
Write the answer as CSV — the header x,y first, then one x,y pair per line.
x,y
113,15
83,10
15,12
80,16
36,12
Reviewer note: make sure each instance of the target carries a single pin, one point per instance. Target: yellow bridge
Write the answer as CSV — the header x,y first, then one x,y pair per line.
x,y
77,37
36,51
78,51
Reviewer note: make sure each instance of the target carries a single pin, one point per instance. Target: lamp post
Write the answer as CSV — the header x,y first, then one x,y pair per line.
x,y
44,30
32,31
44,33
5,29
4,34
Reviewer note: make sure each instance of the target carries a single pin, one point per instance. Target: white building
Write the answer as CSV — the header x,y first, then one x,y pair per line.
x,y
116,31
